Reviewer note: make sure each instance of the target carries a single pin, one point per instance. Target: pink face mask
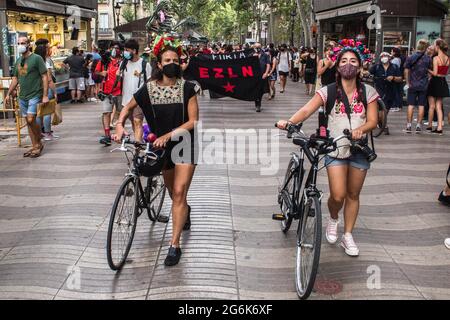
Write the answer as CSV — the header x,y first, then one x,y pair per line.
x,y
348,71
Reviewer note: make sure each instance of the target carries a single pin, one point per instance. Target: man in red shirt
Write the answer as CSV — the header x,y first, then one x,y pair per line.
x,y
112,90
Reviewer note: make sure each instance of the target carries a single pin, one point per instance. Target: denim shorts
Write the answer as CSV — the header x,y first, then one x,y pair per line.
x,y
357,161
29,106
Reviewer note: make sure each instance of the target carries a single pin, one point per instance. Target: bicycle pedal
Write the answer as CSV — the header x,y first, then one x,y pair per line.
x,y
278,217
163,219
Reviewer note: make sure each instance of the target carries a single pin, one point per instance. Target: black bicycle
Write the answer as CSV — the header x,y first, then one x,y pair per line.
x,y
301,200
132,199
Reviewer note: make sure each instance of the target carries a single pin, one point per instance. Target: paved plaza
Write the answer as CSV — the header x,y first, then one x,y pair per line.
x,y
54,214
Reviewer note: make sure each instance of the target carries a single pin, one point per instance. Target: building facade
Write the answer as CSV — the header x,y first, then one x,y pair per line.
x,y
392,23
110,15
65,23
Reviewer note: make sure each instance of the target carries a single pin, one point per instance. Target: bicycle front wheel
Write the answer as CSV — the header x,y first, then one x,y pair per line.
x,y
155,193
382,119
122,224
309,238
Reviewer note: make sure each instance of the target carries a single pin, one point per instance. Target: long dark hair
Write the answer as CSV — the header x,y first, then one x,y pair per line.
x,y
157,73
339,89
42,51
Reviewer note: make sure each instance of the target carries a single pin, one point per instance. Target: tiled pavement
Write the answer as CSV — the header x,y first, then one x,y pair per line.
x,y
54,214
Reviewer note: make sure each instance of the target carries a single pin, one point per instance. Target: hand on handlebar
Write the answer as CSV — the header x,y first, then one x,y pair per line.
x,y
282,124
354,135
120,132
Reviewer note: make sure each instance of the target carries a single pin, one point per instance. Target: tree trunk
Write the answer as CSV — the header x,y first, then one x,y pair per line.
x,y
303,19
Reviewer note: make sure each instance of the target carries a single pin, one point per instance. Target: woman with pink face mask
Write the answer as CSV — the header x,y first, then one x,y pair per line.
x,y
346,171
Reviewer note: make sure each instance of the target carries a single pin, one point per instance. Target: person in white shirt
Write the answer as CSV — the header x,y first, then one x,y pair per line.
x,y
284,65
134,71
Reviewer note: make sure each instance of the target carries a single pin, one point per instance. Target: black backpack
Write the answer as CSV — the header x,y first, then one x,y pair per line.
x,y
331,100
123,67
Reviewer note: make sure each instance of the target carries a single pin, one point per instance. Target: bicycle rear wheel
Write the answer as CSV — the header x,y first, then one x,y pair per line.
x,y
122,224
155,193
382,119
309,238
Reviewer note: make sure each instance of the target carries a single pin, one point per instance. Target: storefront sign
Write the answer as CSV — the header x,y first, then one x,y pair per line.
x,y
345,11
5,40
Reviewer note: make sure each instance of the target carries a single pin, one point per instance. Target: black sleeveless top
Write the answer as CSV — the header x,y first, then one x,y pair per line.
x,y
329,76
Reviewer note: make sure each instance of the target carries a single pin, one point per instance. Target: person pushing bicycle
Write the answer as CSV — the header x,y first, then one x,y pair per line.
x,y
349,105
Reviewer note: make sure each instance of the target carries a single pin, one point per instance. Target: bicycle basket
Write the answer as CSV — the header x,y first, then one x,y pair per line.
x,y
149,166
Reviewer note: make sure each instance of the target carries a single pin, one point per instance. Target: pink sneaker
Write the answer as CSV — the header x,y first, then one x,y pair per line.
x,y
332,230
48,137
349,245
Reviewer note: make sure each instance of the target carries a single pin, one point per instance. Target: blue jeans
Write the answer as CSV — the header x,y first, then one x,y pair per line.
x,y
47,119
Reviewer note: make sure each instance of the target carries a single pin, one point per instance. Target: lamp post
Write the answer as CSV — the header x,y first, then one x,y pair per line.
x,y
117,7
135,3
293,14
265,33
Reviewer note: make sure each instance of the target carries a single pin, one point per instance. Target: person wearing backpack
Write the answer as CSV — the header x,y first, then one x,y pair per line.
x,y
349,105
284,66
417,79
134,73
111,94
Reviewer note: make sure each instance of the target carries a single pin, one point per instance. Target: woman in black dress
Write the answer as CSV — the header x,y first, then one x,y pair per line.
x,y
170,107
310,72
327,67
438,87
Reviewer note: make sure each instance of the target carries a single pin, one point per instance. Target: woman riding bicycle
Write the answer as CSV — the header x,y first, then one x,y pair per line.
x,y
170,107
346,171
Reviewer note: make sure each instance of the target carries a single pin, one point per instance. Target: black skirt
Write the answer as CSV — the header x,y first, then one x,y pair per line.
x,y
310,78
438,88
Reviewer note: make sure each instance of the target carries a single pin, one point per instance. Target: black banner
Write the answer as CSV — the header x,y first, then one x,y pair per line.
x,y
237,75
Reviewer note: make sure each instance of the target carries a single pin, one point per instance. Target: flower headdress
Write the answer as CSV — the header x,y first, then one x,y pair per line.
x,y
352,45
162,42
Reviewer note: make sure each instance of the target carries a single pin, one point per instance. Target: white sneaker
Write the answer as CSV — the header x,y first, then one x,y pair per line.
x,y
349,245
447,243
332,230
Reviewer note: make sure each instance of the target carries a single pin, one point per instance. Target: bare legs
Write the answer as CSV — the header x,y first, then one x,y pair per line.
x,y
436,104
178,181
346,184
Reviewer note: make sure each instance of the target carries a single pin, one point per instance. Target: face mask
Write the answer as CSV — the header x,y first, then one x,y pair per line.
x,y
172,70
384,60
348,71
127,55
22,48
115,53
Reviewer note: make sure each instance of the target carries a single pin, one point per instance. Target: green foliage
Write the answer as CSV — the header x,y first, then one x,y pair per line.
x,y
128,13
227,20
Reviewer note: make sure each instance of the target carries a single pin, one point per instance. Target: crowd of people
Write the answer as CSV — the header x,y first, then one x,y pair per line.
x,y
132,86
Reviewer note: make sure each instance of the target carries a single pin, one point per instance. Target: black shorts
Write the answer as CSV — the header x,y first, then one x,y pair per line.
x,y
417,97
282,73
170,160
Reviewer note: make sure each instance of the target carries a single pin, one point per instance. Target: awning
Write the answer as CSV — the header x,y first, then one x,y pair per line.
x,y
56,8
344,11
